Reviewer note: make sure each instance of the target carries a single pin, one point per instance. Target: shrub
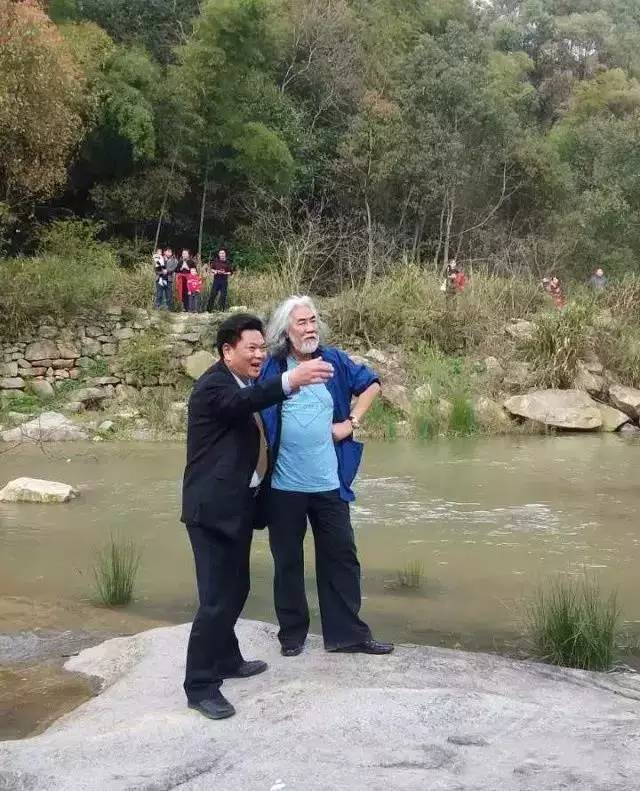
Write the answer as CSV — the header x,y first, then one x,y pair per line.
x,y
570,624
115,572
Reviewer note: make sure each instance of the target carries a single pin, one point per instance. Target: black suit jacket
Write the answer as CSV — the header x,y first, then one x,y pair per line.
x,y
222,448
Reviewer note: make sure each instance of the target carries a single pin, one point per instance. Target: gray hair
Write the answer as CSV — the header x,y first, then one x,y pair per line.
x,y
277,334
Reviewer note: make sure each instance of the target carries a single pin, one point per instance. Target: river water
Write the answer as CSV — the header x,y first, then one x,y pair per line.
x,y
488,519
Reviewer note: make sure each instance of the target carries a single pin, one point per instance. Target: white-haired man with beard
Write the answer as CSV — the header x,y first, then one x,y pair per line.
x,y
314,462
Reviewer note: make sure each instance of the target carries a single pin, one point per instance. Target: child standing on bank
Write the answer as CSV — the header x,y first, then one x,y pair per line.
x,y
194,287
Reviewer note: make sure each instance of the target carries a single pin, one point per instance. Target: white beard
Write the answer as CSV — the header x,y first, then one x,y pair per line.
x,y
309,347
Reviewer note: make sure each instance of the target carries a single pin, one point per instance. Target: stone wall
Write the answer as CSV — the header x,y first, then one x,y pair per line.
x,y
56,351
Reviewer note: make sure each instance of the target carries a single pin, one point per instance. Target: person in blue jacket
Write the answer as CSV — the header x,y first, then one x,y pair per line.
x,y
314,460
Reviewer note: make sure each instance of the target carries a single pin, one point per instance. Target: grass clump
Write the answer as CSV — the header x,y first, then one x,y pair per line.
x,y
561,339
115,572
572,625
145,357
381,421
410,577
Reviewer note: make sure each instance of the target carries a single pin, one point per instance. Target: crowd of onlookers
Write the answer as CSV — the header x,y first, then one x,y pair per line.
x,y
455,281
182,283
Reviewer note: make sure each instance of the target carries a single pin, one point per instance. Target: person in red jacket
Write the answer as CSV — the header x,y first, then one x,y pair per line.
x,y
194,287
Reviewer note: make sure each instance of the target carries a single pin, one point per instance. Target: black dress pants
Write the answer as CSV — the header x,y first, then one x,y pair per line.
x,y
222,572
218,289
337,567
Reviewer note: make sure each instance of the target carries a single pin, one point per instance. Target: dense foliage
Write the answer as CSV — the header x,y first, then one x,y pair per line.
x,y
334,136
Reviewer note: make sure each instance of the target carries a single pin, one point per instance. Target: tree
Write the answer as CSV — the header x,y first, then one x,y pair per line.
x,y
41,103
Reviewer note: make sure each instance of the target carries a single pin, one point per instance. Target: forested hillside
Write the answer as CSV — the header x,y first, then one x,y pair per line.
x,y
506,134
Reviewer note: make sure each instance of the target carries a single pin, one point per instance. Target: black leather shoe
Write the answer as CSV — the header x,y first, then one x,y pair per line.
x,y
217,707
291,650
246,669
367,647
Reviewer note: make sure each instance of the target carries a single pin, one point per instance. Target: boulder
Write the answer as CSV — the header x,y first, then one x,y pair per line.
x,y
42,388
123,334
12,383
395,395
423,393
423,718
567,409
41,350
90,348
490,414
518,377
521,330
493,368
90,395
627,399
73,406
35,490
106,427
48,427
612,418
589,381
197,363
630,430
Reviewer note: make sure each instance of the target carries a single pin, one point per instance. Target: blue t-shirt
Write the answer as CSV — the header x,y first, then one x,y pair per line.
x,y
307,460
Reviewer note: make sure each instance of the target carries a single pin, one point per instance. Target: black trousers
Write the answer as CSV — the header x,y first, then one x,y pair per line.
x,y
218,288
222,572
337,567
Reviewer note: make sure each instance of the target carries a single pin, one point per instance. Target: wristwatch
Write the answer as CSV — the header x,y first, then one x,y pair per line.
x,y
354,421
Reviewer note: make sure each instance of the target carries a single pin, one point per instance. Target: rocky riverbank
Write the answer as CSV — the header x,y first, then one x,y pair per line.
x,y
128,374
421,718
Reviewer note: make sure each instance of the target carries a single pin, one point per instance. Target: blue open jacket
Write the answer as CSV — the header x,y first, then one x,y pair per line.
x,y
349,379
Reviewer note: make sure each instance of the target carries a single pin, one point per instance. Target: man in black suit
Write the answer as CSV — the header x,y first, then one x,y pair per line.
x,y
227,458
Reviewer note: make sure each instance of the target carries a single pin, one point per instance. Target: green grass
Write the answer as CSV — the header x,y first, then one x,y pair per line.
x,y
462,420
115,572
381,420
570,623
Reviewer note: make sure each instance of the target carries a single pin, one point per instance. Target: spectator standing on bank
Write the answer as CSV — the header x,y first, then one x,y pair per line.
x,y
598,281
163,288
194,287
184,268
222,271
171,264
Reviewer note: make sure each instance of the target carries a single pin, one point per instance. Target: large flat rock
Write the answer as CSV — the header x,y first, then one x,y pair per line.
x,y
35,490
423,718
568,409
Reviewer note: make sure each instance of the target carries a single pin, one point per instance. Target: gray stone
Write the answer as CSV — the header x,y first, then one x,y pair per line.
x,y
493,368
73,406
108,349
125,392
91,347
612,418
114,310
84,362
423,393
92,331
123,334
627,399
106,426
490,414
521,330
9,369
67,350
423,718
24,364
590,382
48,332
42,388
518,376
47,427
630,430
196,364
567,409
62,363
395,395
41,350
12,383
89,395
36,490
